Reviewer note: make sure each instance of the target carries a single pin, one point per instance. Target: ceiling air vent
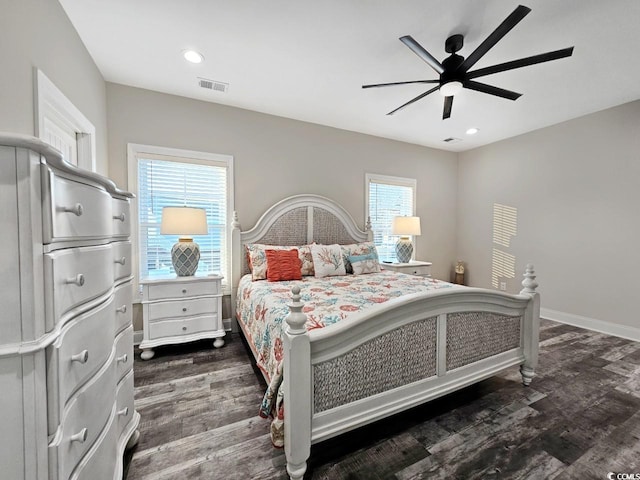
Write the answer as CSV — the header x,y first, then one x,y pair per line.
x,y
452,140
213,85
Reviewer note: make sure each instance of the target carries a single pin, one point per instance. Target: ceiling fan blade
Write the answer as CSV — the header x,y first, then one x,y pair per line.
x,y
511,21
448,103
422,95
422,53
491,90
522,62
399,83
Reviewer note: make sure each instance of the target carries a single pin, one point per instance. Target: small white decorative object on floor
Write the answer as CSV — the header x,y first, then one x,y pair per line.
x,y
405,226
414,267
66,341
184,221
180,310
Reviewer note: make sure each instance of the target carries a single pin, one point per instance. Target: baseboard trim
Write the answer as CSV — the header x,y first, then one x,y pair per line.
x,y
623,331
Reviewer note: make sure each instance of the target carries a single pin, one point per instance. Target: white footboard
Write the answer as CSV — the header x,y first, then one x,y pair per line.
x,y
402,353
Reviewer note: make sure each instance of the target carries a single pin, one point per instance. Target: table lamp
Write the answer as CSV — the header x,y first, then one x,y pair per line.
x,y
405,226
185,222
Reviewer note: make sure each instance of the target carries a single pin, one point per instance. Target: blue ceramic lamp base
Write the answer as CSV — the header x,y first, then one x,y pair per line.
x,y
404,250
185,256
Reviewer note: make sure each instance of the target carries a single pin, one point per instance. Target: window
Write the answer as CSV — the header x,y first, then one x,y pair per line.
x,y
388,197
162,177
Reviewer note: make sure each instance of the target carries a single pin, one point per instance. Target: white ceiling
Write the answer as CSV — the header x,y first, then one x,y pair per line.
x,y
307,60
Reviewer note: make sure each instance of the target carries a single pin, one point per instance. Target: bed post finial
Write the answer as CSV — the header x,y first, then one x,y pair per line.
x,y
296,319
529,283
297,389
367,228
235,223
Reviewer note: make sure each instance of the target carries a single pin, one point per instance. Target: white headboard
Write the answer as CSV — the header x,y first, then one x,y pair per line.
x,y
297,220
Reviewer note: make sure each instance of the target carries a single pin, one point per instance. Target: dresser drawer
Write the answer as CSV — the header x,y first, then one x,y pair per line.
x,y
121,217
158,291
75,275
124,352
101,461
77,210
172,328
83,346
121,259
183,308
124,403
84,420
122,306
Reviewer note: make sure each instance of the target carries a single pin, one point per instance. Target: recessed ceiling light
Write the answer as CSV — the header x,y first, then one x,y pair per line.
x,y
472,131
192,56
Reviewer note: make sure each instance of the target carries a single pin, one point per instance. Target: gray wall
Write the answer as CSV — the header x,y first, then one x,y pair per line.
x,y
576,187
37,33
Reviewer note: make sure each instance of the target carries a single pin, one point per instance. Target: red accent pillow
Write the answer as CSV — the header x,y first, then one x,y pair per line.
x,y
283,265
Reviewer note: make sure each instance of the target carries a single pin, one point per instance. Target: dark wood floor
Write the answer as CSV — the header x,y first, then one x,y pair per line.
x,y
579,419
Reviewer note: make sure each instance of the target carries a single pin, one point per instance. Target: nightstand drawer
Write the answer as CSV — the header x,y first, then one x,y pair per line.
x,y
182,289
183,308
171,328
422,271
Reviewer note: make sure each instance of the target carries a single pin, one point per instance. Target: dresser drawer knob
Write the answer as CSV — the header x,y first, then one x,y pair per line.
x,y
121,261
124,412
77,280
184,290
123,358
184,309
77,209
81,357
184,329
122,309
120,217
80,437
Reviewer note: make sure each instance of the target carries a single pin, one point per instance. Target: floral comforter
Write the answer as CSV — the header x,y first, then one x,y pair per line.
x,y
262,307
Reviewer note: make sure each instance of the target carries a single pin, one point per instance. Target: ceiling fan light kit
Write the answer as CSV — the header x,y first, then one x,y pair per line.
x,y
454,70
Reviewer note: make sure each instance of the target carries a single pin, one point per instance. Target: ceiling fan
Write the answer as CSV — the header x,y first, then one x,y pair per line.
x,y
454,70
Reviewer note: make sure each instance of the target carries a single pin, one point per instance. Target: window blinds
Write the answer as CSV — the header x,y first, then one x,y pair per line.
x,y
169,183
388,200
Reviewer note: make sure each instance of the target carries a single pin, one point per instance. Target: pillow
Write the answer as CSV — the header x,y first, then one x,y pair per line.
x,y
327,260
364,263
283,265
357,249
257,259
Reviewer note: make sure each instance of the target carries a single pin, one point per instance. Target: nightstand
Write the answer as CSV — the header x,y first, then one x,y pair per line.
x,y
414,267
181,309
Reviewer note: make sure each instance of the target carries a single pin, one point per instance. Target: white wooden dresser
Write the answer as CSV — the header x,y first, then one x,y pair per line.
x,y
66,339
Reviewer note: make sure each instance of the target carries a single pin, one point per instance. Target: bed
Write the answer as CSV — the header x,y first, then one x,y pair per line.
x,y
386,357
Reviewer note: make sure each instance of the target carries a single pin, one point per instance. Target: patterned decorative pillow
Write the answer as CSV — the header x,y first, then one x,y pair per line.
x,y
357,249
327,260
283,265
364,263
257,259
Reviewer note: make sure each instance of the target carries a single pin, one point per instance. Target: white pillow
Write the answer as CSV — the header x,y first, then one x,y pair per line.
x,y
362,264
327,260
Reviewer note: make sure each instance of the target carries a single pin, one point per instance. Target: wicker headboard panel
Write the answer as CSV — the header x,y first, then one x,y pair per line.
x,y
297,220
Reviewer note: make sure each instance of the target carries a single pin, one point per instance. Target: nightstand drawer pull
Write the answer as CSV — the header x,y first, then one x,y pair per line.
x,y
81,357
184,329
77,209
121,261
77,280
124,412
122,309
120,217
184,290
123,358
184,309
81,436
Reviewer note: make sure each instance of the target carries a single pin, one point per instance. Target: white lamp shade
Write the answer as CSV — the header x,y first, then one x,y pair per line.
x,y
183,221
406,226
